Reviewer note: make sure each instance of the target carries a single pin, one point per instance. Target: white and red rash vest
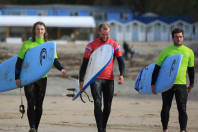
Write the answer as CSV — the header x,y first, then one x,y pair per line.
x,y
108,71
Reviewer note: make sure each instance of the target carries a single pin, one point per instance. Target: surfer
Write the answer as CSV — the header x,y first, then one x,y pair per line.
x,y
179,89
35,92
103,86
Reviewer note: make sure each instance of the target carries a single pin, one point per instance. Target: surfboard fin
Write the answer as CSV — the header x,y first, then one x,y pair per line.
x,y
73,90
70,95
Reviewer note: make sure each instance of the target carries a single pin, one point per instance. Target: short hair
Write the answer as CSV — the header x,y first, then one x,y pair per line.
x,y
104,26
177,30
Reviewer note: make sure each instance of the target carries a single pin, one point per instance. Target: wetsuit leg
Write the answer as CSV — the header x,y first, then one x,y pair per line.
x,y
30,95
181,95
35,93
108,91
96,91
42,83
167,98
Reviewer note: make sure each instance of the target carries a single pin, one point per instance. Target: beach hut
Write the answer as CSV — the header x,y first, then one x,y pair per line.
x,y
135,31
117,30
158,30
195,31
187,26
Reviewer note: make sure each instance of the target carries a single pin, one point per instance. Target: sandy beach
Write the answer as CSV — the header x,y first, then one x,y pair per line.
x,y
131,112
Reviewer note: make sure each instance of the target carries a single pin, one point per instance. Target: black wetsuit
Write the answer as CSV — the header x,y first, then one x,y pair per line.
x,y
181,95
35,93
102,88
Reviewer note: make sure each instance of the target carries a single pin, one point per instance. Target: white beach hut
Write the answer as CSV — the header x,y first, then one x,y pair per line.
x,y
157,31
117,30
195,31
187,27
135,31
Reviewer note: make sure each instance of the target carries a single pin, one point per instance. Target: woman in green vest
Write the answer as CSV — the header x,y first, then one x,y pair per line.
x,y
35,92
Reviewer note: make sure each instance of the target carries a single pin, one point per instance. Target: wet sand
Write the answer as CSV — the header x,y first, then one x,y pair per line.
x,y
130,110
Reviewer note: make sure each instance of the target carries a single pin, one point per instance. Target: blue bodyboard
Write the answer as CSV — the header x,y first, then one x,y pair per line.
x,y
37,62
166,76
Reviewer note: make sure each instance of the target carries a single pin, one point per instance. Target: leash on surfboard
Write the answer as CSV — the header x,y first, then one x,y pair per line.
x,y
73,94
74,90
21,107
86,95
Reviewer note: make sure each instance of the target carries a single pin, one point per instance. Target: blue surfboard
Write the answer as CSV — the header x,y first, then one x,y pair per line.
x,y
166,76
37,62
98,60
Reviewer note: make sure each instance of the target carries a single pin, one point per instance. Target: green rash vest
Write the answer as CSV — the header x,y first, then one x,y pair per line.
x,y
187,60
30,44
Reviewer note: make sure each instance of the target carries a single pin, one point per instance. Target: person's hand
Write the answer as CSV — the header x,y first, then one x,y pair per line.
x,y
63,72
18,83
153,89
189,89
121,80
81,86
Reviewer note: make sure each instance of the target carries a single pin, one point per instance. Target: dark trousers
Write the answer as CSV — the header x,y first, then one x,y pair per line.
x,y
35,94
181,96
99,88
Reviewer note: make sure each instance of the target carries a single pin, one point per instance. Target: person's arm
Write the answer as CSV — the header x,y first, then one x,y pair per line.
x,y
82,72
121,69
58,65
18,67
191,75
154,77
83,69
121,65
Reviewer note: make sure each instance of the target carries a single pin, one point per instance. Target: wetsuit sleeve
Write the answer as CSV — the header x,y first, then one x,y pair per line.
x,y
155,74
191,75
83,69
121,65
58,65
18,67
20,58
191,72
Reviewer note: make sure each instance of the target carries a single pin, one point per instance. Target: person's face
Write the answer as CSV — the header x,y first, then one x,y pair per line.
x,y
178,39
40,30
104,34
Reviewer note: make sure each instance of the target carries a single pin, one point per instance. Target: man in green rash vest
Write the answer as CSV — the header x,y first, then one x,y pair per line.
x,y
179,89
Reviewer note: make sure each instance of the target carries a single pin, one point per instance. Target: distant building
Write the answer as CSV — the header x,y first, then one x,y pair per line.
x,y
159,28
60,30
124,26
135,31
186,25
100,13
117,30
195,31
